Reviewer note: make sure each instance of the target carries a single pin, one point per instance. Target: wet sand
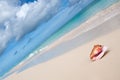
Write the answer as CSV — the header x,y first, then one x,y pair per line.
x,y
70,60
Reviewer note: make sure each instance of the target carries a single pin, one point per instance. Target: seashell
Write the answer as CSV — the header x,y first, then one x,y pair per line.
x,y
98,52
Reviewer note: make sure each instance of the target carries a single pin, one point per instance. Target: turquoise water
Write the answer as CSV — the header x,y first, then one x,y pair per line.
x,y
84,15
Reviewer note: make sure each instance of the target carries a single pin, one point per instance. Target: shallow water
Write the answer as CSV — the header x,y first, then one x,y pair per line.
x,y
84,15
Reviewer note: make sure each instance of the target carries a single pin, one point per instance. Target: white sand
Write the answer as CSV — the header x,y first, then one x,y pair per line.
x,y
73,61
75,64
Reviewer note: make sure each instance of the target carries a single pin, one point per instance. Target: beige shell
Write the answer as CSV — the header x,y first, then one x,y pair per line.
x,y
98,52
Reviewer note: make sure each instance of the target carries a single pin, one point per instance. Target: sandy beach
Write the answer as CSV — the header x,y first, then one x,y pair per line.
x,y
70,59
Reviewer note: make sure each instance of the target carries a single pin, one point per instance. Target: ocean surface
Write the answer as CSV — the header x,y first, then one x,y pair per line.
x,y
81,17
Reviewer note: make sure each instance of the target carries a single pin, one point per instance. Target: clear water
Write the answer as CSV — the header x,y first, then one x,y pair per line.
x,y
91,10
